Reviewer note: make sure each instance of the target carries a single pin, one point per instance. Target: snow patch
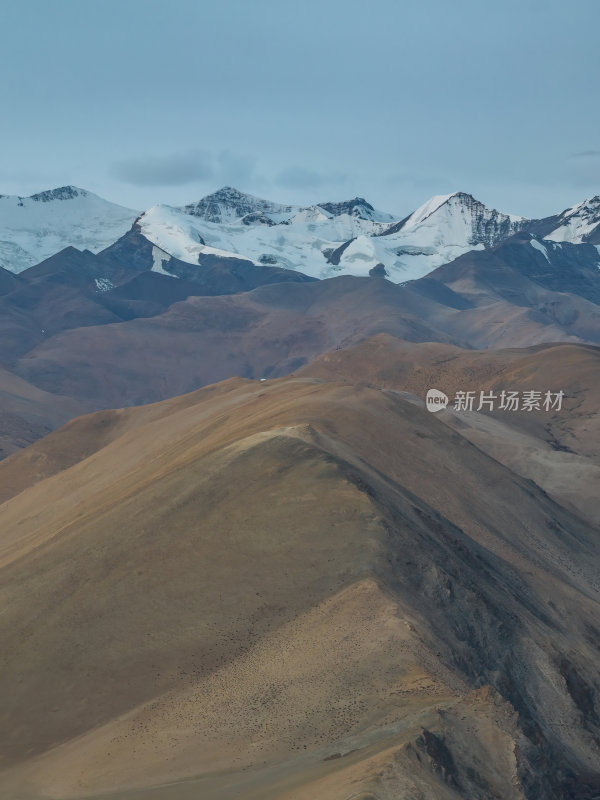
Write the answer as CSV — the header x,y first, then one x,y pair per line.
x,y
183,236
104,284
159,257
539,246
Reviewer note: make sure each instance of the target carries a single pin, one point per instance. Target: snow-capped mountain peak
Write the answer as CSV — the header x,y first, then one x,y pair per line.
x,y
229,205
580,223
357,207
426,210
47,196
457,219
34,228
230,223
61,193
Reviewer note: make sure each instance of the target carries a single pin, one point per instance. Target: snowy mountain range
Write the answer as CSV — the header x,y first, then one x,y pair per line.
x,y
321,241
327,239
34,228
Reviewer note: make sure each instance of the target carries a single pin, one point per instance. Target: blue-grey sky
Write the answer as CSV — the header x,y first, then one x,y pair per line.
x,y
147,101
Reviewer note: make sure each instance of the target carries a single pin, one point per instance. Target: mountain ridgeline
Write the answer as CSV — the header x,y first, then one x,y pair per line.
x,y
232,224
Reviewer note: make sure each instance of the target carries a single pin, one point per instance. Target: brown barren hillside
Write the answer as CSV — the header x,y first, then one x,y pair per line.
x,y
201,340
28,413
152,336
559,449
388,362
291,589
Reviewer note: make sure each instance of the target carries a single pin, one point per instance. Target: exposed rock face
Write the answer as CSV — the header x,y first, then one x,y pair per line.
x,y
485,226
334,256
62,193
357,207
230,204
255,217
489,226
378,271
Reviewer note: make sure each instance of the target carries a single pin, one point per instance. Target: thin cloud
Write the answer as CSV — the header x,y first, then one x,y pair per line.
x,y
234,168
176,169
582,170
587,154
179,169
302,178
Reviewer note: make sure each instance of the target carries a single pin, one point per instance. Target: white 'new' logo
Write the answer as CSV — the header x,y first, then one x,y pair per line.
x,y
435,400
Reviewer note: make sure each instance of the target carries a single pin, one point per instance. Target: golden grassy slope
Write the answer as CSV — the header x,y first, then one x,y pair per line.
x,y
217,594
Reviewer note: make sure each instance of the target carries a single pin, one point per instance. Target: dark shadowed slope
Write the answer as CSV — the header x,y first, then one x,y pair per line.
x,y
267,332
521,292
28,413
